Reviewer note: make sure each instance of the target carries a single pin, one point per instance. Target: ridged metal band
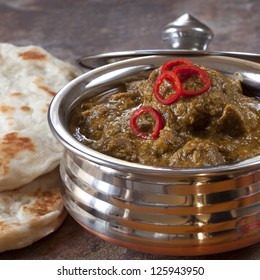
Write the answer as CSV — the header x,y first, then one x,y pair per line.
x,y
170,214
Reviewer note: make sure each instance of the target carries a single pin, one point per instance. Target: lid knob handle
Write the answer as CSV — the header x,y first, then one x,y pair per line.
x,y
187,33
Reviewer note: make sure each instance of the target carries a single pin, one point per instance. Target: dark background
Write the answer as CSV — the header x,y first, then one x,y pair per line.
x,y
70,29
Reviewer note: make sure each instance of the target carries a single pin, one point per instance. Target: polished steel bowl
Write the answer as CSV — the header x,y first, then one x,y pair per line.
x,y
173,211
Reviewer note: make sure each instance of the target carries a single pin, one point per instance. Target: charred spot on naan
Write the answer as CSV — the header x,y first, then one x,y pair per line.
x,y
7,112
11,145
16,94
43,202
25,108
32,55
6,109
38,83
5,226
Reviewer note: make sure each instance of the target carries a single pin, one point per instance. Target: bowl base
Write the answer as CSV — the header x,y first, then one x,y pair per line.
x,y
182,251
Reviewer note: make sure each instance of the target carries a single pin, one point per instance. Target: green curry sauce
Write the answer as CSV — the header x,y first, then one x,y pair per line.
x,y
220,126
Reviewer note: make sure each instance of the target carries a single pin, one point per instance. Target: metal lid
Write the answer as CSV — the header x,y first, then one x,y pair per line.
x,y
188,33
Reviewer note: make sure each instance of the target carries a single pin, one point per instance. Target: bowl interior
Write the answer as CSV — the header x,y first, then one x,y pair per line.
x,y
110,78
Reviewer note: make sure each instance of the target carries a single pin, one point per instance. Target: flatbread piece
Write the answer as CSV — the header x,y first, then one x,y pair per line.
x,y
31,212
29,79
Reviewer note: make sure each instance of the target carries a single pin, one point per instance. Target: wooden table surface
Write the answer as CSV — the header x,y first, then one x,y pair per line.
x,y
70,29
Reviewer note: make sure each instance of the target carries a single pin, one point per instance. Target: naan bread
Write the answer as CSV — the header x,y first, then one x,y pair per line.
x,y
29,78
30,212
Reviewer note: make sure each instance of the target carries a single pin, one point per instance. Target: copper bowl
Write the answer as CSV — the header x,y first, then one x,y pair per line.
x,y
170,211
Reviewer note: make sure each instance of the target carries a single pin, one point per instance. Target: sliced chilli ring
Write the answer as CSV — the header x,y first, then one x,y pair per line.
x,y
190,71
157,127
173,79
168,66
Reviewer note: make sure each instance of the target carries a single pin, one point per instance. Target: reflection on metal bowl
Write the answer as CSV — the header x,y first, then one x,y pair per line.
x,y
173,211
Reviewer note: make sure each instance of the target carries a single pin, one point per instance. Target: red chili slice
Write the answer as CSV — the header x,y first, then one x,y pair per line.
x,y
168,66
173,79
190,71
157,127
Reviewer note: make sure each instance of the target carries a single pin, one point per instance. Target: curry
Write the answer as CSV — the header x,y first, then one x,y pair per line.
x,y
182,115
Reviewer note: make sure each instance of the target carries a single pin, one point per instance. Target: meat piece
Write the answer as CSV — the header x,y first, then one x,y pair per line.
x,y
232,122
116,147
196,153
168,141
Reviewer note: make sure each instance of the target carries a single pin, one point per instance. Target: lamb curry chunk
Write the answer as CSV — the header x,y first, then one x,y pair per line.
x,y
219,126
